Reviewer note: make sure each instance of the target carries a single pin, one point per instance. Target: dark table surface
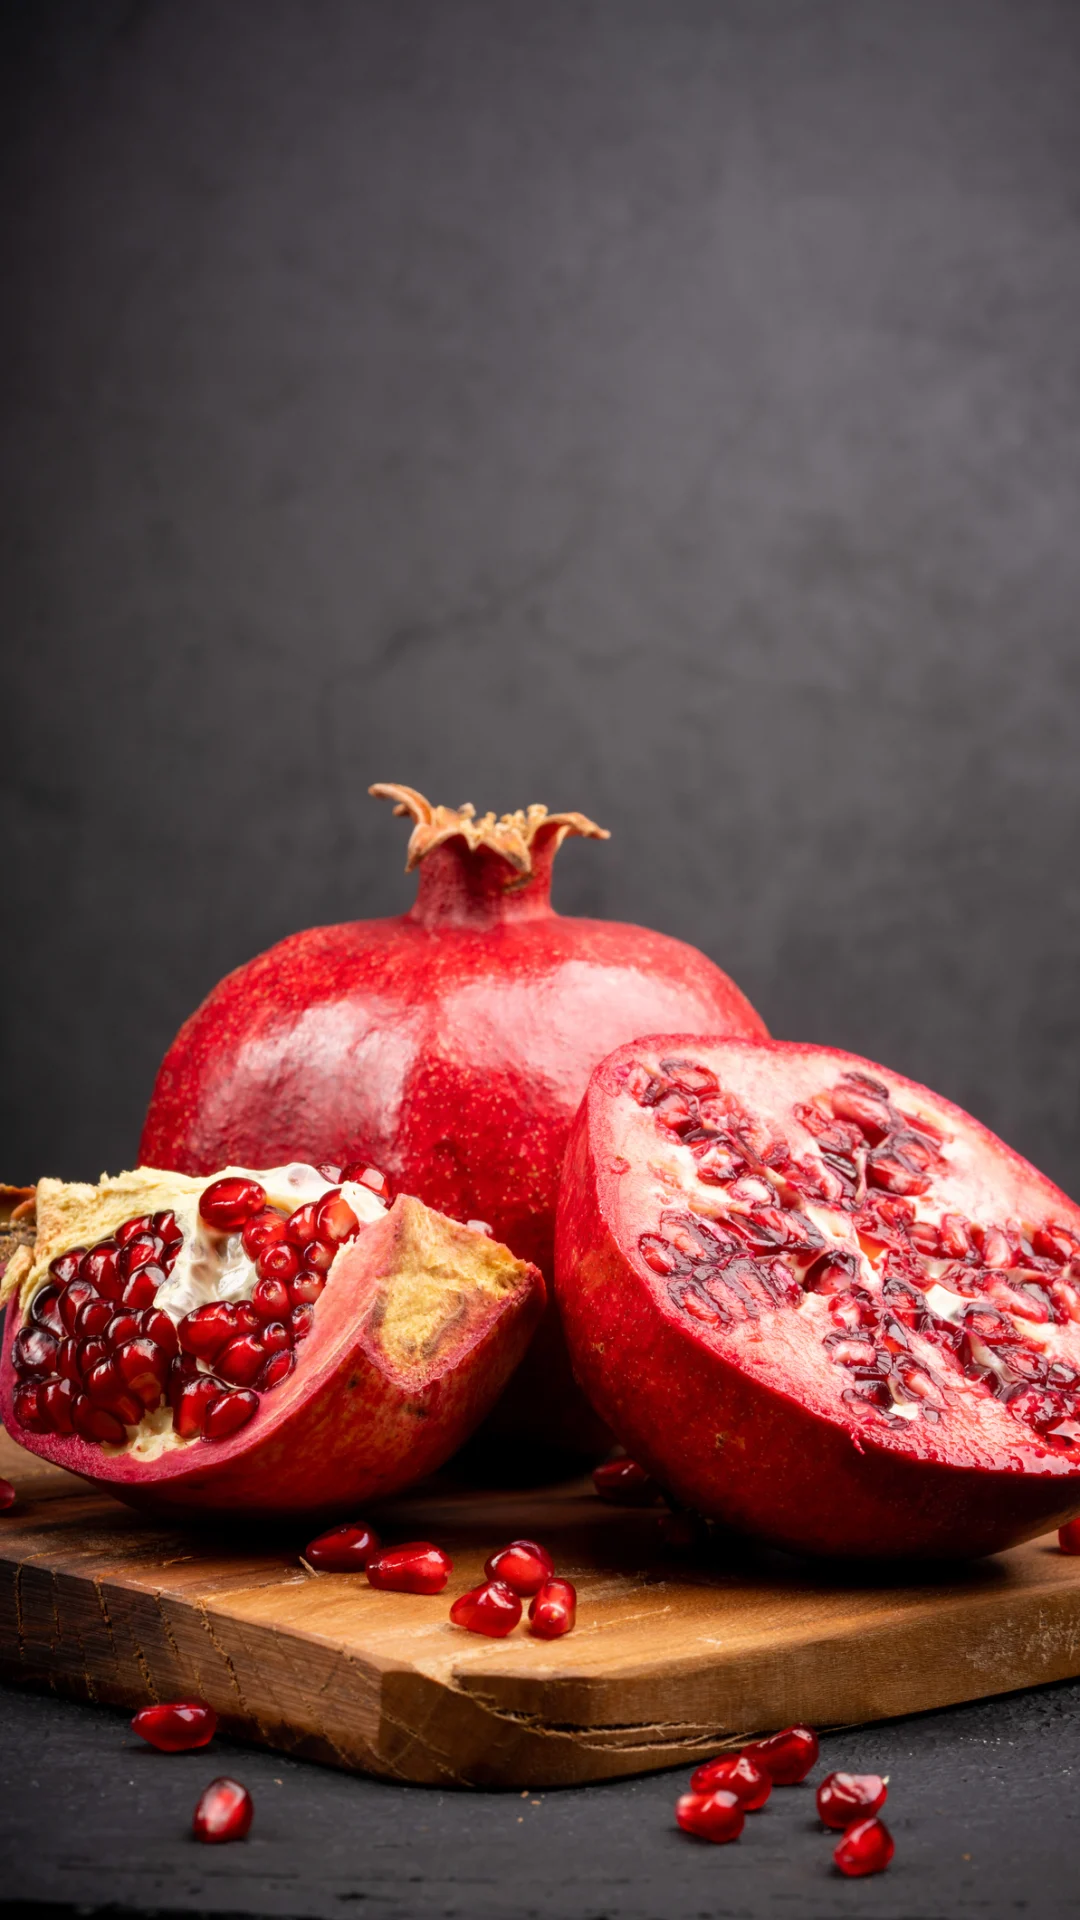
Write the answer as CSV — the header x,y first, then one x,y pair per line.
x,y
983,1808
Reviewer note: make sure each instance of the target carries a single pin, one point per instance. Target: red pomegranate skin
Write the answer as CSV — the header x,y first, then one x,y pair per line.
x,y
449,1046
722,1430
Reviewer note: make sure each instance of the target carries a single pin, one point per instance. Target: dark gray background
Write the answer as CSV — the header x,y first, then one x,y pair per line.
x,y
667,408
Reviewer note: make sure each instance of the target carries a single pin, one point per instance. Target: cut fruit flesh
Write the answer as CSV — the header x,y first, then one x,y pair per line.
x,y
820,1302
146,1349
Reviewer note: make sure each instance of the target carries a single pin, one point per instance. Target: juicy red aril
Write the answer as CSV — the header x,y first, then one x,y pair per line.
x,y
300,1320
90,1353
718,1816
844,1797
417,1567
161,1329
120,1327
300,1226
275,1266
266,1229
493,1609
786,1757
522,1565
228,1414
102,1269
34,1352
227,1205
867,1847
28,1409
106,1387
335,1220
144,1369
331,1174
191,1403
94,1316
370,1177
625,1484
66,1265
164,1225
277,1368
45,1310
74,1295
67,1360
146,1247
553,1611
319,1256
306,1288
8,1496
1069,1537
241,1360
344,1549
224,1810
737,1774
140,1224
206,1330
56,1400
96,1423
176,1726
141,1289
274,1336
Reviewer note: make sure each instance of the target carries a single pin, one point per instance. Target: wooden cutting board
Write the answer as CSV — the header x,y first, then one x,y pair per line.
x,y
670,1662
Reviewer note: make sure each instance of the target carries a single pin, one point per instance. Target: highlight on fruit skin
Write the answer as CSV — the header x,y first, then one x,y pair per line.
x,y
416,1567
1069,1537
224,1811
718,1816
786,1757
867,1847
843,1798
736,1773
553,1610
819,1303
176,1726
278,1341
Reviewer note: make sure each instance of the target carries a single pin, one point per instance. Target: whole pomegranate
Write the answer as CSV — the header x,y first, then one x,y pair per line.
x,y
819,1302
449,1046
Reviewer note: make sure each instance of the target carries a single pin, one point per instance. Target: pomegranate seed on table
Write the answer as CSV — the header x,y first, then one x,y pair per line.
x,y
416,1567
553,1611
624,1484
1069,1537
718,1816
867,1847
522,1565
176,1726
227,1205
345,1549
843,1797
787,1757
493,1609
735,1773
8,1495
223,1811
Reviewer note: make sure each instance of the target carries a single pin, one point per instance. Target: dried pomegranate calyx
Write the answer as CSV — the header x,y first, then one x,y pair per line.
x,y
511,836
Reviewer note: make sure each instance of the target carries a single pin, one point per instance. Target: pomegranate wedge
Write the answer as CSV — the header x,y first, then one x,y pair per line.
x,y
272,1342
819,1302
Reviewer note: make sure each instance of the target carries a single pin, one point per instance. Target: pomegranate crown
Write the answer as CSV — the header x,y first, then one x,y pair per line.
x,y
511,836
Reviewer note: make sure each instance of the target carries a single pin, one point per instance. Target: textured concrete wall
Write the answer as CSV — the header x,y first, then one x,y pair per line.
x,y
663,409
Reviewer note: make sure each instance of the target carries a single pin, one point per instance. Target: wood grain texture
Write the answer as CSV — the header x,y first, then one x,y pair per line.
x,y
670,1662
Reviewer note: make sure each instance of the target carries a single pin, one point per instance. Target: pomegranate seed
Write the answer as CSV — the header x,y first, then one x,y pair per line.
x,y
29,1411
274,1336
319,1256
332,1175
275,1266
176,1726
370,1177
141,1290
335,1220
227,1205
90,1353
306,1288
300,1226
100,1268
736,1774
94,1316
718,1817
96,1423
140,1224
8,1495
139,1253
241,1360
144,1368
224,1810
1055,1242
45,1310
72,1298
228,1414
56,1399
192,1401
34,1352
493,1609
67,1361
867,1847
624,1484
344,1549
300,1320
106,1387
161,1329
164,1225
1069,1537
522,1565
417,1567
267,1229
66,1265
787,1757
842,1797
206,1330
277,1368
554,1610
123,1326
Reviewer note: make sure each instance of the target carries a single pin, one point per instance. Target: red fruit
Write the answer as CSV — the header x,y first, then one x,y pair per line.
x,y
176,1726
718,1816
343,1550
417,1567
275,1266
522,1566
736,1773
227,1205
786,1757
844,1797
624,1484
335,1220
141,1290
319,1256
66,1265
266,1229
493,1609
370,1177
140,1252
498,1009
867,1847
8,1495
801,1367
224,1812
93,1317
554,1610
409,1345
300,1226
45,1311
306,1288
140,1223
1069,1537
100,1268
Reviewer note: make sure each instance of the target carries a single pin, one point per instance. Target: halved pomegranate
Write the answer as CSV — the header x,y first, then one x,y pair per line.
x,y
158,1343
819,1302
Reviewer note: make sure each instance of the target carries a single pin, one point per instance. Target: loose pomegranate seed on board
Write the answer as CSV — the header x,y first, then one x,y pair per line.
x,y
8,1495
867,1847
416,1567
176,1726
1069,1537
554,1610
522,1565
224,1811
787,1757
845,1797
344,1549
718,1816
493,1609
735,1773
625,1484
